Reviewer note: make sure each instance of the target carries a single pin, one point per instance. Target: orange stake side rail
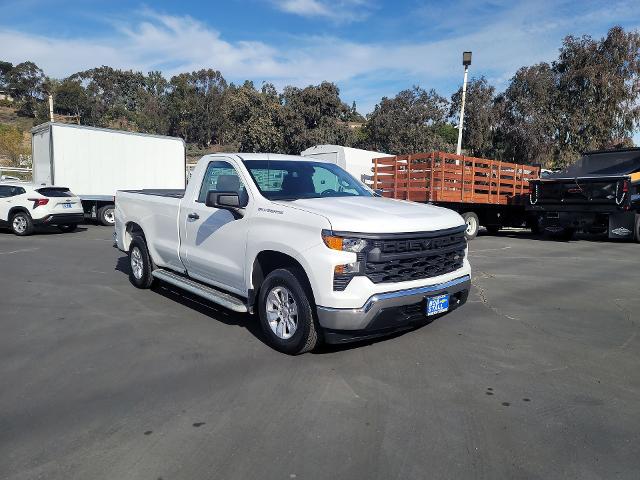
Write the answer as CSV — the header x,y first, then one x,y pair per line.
x,y
445,177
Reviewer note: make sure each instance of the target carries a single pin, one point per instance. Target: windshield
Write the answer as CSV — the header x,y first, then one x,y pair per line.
x,y
293,180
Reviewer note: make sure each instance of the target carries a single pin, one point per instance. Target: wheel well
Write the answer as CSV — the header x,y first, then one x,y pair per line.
x,y
269,260
15,210
132,230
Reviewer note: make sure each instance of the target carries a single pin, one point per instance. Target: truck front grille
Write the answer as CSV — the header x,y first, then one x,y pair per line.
x,y
401,258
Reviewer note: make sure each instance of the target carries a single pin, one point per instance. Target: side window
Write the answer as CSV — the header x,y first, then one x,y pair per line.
x,y
269,180
7,191
222,177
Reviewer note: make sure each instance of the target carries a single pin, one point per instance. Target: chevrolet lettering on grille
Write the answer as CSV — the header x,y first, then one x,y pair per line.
x,y
399,246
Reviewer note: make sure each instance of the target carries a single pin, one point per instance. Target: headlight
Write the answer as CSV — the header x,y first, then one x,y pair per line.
x,y
346,244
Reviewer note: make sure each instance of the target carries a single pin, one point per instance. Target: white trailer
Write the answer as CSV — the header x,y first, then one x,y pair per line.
x,y
95,162
354,160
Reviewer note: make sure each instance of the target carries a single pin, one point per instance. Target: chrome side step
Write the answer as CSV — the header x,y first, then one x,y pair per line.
x,y
204,291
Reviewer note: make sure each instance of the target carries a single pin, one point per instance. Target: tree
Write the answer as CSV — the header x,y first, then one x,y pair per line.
x,y
195,106
5,68
479,116
598,85
13,145
252,118
314,115
527,127
408,123
26,80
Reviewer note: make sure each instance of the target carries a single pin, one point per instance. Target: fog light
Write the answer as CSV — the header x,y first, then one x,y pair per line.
x,y
346,269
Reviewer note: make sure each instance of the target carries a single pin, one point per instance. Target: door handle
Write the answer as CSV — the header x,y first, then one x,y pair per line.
x,y
193,216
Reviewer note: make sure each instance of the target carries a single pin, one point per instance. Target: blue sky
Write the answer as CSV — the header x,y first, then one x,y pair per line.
x,y
370,48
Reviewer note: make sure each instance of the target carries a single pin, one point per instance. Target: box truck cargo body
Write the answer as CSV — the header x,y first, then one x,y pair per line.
x,y
357,162
95,162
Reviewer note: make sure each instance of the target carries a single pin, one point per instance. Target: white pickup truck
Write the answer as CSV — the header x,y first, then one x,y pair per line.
x,y
313,251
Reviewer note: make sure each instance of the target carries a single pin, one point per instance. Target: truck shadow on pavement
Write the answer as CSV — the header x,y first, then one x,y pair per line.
x,y
199,304
244,320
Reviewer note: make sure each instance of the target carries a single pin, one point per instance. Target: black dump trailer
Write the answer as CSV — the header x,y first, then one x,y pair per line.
x,y
597,194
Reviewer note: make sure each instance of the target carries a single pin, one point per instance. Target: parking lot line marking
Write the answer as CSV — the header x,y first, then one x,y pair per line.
x,y
20,251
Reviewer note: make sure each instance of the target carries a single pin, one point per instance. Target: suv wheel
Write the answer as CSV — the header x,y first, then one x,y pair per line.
x,y
285,312
21,224
140,263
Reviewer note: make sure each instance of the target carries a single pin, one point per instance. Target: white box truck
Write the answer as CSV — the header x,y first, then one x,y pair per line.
x,y
357,162
95,162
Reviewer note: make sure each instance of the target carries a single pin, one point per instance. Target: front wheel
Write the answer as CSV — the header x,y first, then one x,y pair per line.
x,y
473,225
21,224
106,215
286,315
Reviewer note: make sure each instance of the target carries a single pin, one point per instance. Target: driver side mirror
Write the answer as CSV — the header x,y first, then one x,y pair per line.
x,y
225,200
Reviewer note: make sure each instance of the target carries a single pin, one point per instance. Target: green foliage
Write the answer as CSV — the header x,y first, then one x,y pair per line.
x,y
408,123
479,116
13,146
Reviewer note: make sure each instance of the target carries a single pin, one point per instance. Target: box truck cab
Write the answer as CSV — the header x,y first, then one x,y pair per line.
x,y
95,162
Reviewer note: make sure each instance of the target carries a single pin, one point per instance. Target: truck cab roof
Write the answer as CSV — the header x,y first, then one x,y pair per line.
x,y
248,157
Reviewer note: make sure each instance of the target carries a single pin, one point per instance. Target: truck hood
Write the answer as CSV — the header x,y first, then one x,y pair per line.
x,y
379,215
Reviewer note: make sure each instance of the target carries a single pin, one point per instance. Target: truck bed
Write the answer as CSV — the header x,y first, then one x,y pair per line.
x,y
159,192
444,177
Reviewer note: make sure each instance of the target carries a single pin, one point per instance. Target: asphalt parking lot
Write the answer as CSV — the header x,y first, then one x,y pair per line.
x,y
536,377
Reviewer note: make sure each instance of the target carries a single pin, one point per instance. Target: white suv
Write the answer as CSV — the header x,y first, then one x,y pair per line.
x,y
24,206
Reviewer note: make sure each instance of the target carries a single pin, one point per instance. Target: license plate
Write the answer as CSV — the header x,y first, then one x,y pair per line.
x,y
436,305
67,205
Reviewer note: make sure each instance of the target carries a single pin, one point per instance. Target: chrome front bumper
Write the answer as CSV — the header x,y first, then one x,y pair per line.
x,y
364,318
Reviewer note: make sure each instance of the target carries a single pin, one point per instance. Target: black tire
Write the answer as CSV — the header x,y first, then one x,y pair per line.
x,y
637,229
21,224
493,229
68,228
305,337
106,215
138,252
473,225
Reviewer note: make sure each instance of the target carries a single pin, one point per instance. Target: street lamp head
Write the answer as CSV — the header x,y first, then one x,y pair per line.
x,y
466,58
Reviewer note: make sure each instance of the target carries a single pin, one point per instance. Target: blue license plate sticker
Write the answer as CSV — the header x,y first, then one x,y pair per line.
x,y
436,305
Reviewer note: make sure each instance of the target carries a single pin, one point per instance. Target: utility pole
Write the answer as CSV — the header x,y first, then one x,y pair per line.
x,y
466,61
51,108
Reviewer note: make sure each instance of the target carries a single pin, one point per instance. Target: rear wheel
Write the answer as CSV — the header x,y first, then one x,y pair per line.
x,y
140,263
67,228
106,215
286,315
473,224
21,224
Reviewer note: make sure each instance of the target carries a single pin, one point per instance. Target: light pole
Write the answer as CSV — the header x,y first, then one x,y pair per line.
x,y
466,61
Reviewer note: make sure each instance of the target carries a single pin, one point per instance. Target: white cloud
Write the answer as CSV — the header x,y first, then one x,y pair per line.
x,y
340,11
